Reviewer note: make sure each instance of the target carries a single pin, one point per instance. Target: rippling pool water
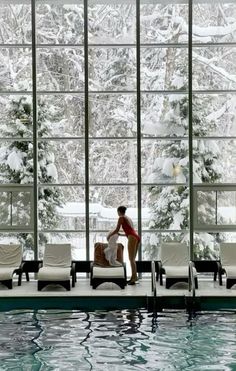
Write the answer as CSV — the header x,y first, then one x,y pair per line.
x,y
116,340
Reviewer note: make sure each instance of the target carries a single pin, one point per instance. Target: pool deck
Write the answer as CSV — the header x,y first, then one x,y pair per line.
x,y
209,296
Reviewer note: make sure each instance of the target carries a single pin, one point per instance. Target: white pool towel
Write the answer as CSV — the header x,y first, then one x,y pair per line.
x,y
111,251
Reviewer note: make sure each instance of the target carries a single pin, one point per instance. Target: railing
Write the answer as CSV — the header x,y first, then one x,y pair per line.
x,y
191,280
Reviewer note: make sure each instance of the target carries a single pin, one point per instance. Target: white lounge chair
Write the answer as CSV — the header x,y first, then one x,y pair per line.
x,y
57,266
228,263
101,271
10,263
174,263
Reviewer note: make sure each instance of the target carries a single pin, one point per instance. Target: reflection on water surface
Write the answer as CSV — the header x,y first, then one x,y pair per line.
x,y
116,340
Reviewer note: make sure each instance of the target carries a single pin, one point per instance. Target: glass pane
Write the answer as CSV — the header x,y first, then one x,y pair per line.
x,y
112,69
15,23
151,242
214,161
214,68
16,116
113,161
206,245
206,208
167,207
214,115
104,202
5,208
16,210
65,116
226,207
16,162
112,115
172,67
163,23
77,241
112,23
164,115
60,69
21,209
59,23
214,21
164,161
61,208
15,69
61,161
26,240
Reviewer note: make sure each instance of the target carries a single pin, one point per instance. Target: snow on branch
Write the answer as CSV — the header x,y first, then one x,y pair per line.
x,y
214,30
219,70
213,116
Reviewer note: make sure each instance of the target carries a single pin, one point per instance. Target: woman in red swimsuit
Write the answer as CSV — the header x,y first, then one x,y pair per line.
x,y
133,240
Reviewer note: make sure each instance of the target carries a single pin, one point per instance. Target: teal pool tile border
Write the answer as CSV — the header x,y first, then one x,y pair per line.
x,y
73,303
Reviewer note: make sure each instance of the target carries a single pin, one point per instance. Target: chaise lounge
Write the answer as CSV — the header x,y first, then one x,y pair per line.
x,y
102,272
10,263
227,263
57,267
174,263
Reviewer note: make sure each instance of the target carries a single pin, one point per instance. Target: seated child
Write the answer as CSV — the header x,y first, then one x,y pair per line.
x,y
111,251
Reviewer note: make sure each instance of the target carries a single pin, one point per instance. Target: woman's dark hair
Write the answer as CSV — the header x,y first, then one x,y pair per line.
x,y
122,209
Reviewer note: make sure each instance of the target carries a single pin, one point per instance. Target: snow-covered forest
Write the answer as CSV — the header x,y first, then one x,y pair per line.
x,y
87,119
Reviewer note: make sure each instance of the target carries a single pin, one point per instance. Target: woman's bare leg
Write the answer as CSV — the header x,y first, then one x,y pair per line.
x,y
132,251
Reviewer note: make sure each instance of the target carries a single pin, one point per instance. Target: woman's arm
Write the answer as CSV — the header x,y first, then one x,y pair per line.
x,y
116,230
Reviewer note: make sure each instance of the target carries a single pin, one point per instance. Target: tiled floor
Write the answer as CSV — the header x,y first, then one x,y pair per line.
x,y
207,287
82,288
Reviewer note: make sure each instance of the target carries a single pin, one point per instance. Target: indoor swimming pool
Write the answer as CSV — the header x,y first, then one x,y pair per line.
x,y
117,340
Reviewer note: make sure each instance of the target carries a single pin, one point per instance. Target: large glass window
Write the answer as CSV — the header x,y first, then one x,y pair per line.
x,y
105,119
213,123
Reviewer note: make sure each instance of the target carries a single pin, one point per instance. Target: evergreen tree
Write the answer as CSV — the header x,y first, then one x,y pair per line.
x,y
17,160
169,204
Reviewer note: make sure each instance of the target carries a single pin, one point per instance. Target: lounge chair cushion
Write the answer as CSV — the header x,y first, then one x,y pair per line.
x,y
57,255
178,272
230,271
6,273
10,255
54,274
99,256
109,272
174,254
228,253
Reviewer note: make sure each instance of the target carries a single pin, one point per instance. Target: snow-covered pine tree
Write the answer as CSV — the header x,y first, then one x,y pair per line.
x,y
17,159
112,115
169,204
